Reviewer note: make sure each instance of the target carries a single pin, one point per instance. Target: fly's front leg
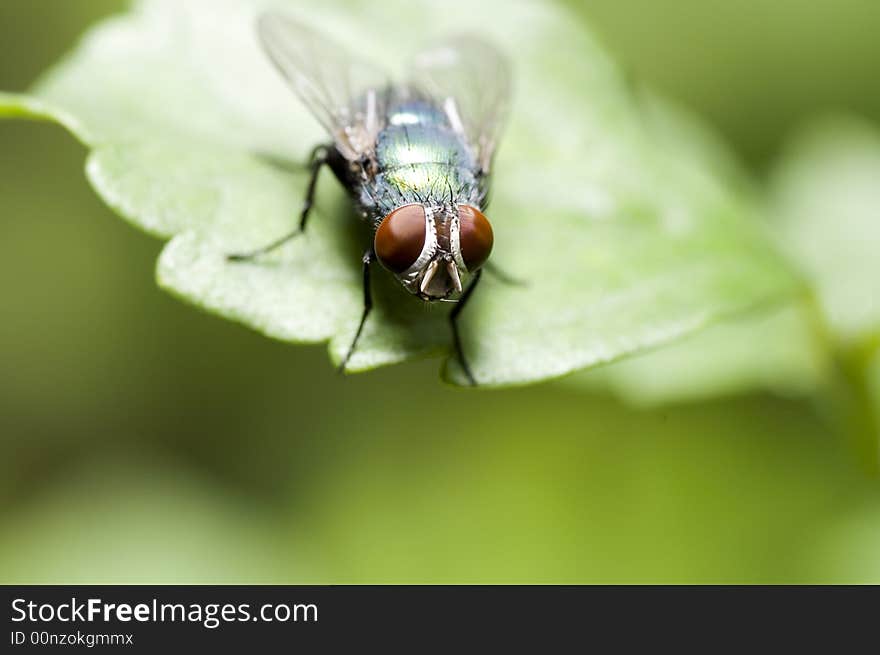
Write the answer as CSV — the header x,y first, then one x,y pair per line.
x,y
368,305
318,158
453,321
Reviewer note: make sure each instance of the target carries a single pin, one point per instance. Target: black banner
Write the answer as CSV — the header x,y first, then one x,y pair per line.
x,y
180,618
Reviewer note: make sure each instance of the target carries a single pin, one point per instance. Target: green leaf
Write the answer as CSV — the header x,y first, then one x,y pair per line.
x,y
827,197
779,349
776,350
16,105
626,234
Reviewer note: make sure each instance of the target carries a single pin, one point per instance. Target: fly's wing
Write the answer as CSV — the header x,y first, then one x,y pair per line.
x,y
470,79
346,95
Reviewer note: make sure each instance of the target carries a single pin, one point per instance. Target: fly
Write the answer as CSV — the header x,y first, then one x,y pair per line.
x,y
414,156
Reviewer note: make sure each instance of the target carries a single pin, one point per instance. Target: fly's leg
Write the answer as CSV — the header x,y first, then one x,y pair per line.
x,y
453,321
503,276
318,158
368,305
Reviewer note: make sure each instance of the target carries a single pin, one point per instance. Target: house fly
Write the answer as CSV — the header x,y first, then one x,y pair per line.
x,y
415,156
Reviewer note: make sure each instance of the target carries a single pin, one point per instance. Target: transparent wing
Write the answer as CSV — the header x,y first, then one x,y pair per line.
x,y
345,94
471,81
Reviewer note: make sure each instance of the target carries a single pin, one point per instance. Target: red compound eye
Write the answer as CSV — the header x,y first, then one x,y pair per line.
x,y
475,237
401,237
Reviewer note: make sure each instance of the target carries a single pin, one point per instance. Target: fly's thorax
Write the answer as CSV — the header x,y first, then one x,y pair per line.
x,y
429,184
419,156
433,249
400,145
420,159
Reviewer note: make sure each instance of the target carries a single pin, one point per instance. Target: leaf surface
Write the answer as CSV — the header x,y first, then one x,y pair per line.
x,y
626,233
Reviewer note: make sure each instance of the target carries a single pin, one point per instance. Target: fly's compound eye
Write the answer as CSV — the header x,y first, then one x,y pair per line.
x,y
475,237
400,238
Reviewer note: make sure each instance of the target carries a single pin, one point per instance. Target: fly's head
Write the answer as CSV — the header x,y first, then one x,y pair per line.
x,y
433,249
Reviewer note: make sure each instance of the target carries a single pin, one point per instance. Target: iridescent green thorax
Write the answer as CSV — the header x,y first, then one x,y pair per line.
x,y
420,158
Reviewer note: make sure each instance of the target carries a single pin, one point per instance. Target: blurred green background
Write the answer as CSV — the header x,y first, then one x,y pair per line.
x,y
143,441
